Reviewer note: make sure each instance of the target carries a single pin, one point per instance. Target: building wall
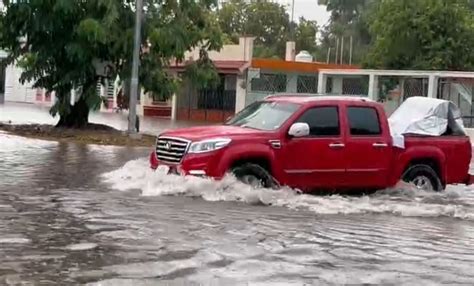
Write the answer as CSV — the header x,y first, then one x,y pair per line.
x,y
16,91
213,105
240,52
240,93
187,98
46,98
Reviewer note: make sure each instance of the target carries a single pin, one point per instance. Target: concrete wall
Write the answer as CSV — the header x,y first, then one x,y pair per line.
x,y
470,133
16,91
240,93
337,83
241,52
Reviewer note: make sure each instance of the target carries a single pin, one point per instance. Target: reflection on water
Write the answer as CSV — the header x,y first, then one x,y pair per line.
x,y
75,214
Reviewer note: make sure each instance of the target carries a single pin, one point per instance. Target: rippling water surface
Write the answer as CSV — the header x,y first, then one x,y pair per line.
x,y
77,214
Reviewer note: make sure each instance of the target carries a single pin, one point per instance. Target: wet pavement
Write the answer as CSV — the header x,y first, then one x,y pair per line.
x,y
39,114
76,214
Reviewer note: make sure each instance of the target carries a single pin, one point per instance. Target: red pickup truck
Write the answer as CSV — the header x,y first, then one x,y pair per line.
x,y
314,142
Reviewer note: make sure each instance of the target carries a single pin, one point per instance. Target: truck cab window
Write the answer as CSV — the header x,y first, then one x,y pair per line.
x,y
363,121
264,115
322,121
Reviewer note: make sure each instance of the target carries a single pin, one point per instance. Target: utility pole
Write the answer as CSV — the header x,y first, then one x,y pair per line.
x,y
136,57
292,25
342,50
328,59
350,53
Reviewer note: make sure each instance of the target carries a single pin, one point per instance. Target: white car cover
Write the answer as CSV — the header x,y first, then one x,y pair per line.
x,y
425,116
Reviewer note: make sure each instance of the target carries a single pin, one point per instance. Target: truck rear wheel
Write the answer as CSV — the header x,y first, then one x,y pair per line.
x,y
254,175
423,177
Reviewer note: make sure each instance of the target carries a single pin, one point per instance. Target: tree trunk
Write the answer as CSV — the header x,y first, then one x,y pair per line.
x,y
78,117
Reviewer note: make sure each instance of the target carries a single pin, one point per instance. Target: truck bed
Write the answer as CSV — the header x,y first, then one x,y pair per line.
x,y
455,151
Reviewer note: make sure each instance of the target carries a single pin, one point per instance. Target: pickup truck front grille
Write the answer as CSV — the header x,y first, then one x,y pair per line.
x,y
171,150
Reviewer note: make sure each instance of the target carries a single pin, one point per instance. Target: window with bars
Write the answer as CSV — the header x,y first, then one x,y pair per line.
x,y
269,83
307,84
355,86
416,87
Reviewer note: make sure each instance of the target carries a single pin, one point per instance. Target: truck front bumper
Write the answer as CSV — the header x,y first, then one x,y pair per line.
x,y
202,165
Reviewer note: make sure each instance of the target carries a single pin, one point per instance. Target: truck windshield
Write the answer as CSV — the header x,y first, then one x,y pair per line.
x,y
264,115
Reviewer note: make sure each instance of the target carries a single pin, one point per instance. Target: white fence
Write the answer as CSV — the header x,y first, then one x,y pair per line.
x,y
393,86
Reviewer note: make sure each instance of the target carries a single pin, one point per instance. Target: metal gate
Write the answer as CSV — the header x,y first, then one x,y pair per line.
x,y
212,105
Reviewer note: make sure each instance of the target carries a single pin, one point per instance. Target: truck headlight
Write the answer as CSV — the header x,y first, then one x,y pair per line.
x,y
208,145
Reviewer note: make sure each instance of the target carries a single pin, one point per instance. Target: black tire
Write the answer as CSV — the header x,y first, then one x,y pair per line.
x,y
247,170
423,172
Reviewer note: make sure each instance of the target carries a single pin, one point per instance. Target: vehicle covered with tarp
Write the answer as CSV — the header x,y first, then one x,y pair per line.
x,y
422,116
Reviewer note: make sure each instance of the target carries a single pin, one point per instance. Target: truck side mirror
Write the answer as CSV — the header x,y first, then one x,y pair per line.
x,y
299,129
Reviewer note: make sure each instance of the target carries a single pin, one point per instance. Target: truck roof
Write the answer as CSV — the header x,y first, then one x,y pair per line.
x,y
311,97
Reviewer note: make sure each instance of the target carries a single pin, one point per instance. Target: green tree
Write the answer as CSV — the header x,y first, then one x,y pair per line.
x,y
348,20
422,34
344,11
232,18
64,45
269,23
305,35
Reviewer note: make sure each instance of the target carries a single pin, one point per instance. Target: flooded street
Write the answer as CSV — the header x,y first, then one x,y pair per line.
x,y
147,142
21,113
77,214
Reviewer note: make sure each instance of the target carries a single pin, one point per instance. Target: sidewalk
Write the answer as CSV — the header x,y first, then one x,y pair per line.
x,y
23,113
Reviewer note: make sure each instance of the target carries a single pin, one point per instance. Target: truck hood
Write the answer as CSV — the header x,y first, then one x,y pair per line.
x,y
208,132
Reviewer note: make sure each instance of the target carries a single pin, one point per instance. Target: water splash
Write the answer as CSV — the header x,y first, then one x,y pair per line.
x,y
456,201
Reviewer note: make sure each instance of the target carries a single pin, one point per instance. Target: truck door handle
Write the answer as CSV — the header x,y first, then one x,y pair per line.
x,y
380,145
336,145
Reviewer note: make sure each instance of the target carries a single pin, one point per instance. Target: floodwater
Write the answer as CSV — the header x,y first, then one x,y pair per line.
x,y
80,214
21,113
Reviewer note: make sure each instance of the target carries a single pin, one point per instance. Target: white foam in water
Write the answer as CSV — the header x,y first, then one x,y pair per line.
x,y
81,246
14,240
455,202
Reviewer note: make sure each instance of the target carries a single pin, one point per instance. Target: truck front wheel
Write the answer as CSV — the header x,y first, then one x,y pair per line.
x,y
423,177
254,175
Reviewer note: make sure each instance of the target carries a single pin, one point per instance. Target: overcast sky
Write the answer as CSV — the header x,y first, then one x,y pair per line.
x,y
308,9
